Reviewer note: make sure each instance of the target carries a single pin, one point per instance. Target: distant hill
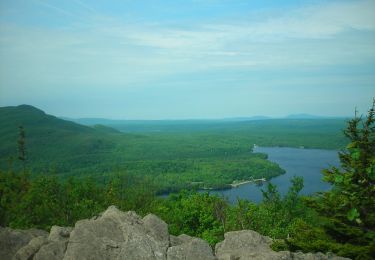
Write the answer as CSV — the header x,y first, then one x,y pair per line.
x,y
199,125
309,116
234,119
258,127
107,122
51,142
118,122
302,116
94,121
105,129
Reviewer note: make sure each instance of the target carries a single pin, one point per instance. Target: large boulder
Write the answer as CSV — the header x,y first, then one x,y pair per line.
x,y
59,233
156,228
42,247
118,235
247,244
28,251
11,240
55,248
317,256
187,247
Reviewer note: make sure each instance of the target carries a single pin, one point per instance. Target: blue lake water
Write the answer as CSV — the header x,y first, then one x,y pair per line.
x,y
307,163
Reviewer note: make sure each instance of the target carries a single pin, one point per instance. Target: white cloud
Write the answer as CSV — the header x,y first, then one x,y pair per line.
x,y
309,35
311,22
108,51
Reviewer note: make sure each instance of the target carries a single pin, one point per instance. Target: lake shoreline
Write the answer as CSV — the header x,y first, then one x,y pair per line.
x,y
306,163
235,185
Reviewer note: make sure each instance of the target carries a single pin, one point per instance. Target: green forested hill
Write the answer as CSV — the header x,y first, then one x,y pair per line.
x,y
180,154
50,142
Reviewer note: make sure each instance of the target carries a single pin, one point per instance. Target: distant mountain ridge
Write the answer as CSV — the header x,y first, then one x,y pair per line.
x,y
305,116
105,121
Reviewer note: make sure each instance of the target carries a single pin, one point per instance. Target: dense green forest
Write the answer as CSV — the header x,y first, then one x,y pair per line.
x,y
341,220
174,154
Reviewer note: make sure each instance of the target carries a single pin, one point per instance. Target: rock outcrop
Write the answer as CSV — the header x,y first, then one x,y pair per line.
x,y
248,244
13,240
187,247
125,235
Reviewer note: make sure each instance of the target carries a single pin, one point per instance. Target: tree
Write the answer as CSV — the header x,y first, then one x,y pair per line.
x,y
291,199
21,146
276,214
349,207
40,206
194,214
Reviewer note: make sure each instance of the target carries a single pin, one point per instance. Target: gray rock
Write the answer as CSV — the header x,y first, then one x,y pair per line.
x,y
54,250
308,256
59,233
124,235
247,244
11,240
157,228
195,249
27,252
174,241
114,235
316,256
185,238
56,246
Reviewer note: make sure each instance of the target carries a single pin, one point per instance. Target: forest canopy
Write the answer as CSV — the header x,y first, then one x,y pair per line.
x,y
340,220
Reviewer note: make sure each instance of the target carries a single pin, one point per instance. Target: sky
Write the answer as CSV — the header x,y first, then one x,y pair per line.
x,y
180,59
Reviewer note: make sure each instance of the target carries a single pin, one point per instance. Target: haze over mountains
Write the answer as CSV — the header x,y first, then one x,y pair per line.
x,y
195,125
105,121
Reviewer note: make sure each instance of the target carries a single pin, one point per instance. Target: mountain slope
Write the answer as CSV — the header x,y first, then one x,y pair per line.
x,y
50,141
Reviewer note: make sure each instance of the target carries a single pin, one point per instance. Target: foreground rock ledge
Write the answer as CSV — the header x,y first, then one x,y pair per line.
x,y
125,235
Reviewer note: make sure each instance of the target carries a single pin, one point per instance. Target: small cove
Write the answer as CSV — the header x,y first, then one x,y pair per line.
x,y
307,163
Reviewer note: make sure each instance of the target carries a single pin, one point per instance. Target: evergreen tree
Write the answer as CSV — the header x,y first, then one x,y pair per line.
x,y
21,146
349,207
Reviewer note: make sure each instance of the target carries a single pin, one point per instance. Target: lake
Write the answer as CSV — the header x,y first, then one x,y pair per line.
x,y
307,163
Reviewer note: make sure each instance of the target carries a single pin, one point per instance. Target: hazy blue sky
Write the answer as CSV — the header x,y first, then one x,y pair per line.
x,y
160,59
